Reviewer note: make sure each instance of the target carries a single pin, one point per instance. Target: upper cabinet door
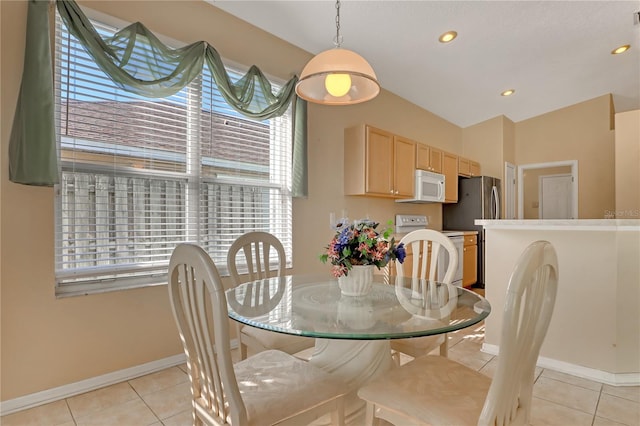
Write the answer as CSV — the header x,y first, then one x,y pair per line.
x,y
474,168
463,166
404,158
428,158
423,161
379,162
435,160
450,171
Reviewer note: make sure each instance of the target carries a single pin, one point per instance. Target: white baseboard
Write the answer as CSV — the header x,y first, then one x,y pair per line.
x,y
614,379
72,389
66,391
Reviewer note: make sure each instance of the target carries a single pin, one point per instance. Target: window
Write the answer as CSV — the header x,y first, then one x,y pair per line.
x,y
141,175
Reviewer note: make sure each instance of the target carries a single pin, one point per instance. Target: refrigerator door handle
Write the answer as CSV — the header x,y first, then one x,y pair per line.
x,y
495,198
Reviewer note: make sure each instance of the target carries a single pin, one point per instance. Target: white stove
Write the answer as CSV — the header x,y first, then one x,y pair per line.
x,y
406,223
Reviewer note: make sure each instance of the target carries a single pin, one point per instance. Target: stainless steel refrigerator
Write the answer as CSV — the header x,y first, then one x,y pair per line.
x,y
478,198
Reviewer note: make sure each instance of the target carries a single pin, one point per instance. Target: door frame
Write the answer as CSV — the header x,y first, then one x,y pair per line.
x,y
509,201
574,189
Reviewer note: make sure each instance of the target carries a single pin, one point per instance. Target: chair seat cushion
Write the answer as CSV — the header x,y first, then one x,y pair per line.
x,y
276,385
431,389
280,341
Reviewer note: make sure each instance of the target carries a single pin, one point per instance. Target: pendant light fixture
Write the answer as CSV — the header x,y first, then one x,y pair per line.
x,y
337,76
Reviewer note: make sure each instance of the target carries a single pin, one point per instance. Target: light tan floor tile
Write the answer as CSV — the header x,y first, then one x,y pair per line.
x,y
573,380
490,367
52,414
549,413
619,410
183,418
159,380
184,368
631,393
100,399
566,394
600,421
170,401
133,412
468,353
474,333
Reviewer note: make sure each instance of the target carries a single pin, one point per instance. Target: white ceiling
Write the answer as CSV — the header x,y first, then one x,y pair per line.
x,y
553,53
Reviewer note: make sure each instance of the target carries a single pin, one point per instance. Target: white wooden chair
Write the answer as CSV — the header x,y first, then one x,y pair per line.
x,y
255,249
269,388
438,391
424,267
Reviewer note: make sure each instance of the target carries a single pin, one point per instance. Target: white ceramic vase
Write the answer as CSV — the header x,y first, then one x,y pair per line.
x,y
358,282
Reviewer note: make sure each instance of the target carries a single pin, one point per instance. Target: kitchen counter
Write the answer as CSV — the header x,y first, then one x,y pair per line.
x,y
564,224
459,233
595,328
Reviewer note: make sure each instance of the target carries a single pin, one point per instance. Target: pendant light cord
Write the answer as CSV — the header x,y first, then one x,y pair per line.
x,y
338,40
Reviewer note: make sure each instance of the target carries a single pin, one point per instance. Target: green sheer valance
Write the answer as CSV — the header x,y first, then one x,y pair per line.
x,y
164,72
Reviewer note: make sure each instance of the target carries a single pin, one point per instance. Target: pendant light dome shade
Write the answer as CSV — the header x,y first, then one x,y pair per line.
x,y
338,77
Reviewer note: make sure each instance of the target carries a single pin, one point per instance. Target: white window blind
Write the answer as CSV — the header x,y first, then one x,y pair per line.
x,y
141,175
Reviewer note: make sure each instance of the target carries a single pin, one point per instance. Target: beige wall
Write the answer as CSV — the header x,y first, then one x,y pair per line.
x,y
483,142
627,154
579,132
49,342
492,143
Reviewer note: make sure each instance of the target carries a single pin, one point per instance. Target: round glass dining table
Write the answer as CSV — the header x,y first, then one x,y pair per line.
x,y
353,333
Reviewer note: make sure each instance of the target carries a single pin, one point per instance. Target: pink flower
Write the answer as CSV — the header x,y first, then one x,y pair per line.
x,y
338,270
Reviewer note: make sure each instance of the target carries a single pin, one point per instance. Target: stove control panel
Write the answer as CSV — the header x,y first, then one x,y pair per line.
x,y
410,222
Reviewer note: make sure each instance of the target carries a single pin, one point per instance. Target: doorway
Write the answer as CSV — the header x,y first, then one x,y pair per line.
x,y
555,196
528,186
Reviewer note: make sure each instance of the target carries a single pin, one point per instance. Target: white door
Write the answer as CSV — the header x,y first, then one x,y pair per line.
x,y
556,197
509,191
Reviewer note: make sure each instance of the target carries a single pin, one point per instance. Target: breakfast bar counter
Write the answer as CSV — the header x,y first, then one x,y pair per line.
x,y
595,328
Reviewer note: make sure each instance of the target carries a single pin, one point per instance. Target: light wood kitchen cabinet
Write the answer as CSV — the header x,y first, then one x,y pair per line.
x,y
470,260
474,168
468,167
450,172
463,166
378,163
428,158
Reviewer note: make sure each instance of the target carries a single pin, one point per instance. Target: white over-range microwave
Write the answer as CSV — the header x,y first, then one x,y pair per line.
x,y
429,188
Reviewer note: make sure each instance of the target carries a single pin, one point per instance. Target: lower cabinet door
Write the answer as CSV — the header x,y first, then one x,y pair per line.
x,y
470,265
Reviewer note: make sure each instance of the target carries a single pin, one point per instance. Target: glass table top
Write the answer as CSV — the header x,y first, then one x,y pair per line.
x,y
313,306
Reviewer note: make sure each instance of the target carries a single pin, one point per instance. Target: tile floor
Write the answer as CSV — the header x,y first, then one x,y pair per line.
x,y
162,398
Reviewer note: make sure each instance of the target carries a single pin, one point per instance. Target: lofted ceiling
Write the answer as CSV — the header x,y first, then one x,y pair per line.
x,y
553,53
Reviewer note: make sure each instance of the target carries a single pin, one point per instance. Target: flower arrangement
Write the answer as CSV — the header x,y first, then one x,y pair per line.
x,y
361,244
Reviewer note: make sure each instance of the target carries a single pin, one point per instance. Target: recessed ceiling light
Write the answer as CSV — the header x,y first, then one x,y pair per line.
x,y
447,37
508,92
620,49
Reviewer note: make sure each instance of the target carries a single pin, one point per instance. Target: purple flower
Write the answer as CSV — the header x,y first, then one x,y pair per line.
x,y
401,253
